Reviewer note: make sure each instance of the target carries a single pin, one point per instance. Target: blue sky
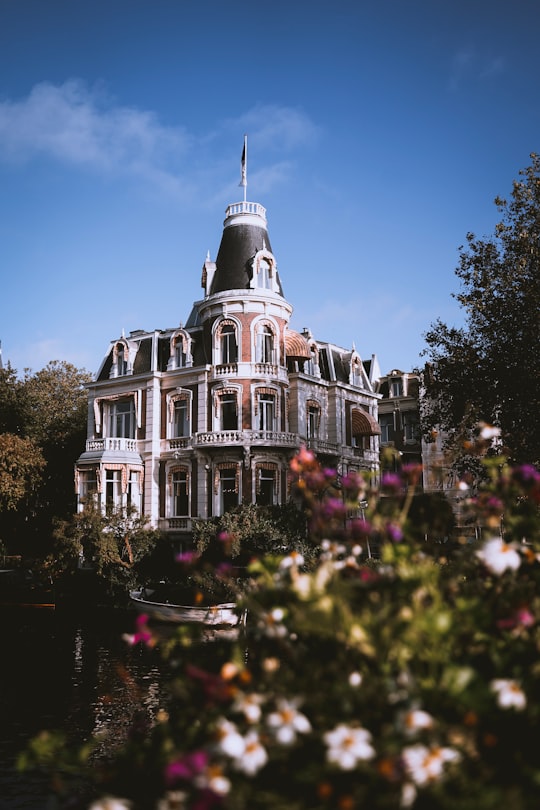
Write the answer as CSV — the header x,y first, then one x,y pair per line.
x,y
379,134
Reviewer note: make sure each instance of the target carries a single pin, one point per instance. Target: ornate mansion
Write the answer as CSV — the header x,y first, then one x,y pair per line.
x,y
192,421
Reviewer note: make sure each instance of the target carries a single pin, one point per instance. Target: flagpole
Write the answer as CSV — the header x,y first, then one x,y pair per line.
x,y
243,177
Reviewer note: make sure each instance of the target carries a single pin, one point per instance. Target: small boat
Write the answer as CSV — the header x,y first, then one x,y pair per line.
x,y
145,601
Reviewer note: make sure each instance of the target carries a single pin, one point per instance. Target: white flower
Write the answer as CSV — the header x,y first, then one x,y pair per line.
x,y
416,720
509,694
287,722
347,745
230,741
292,560
272,623
213,779
408,794
253,757
250,706
497,556
355,679
425,764
110,803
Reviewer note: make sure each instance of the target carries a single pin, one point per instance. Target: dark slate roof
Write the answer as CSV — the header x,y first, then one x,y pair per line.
x,y
239,244
143,357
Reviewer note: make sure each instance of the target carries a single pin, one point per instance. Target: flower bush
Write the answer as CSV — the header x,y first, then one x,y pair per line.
x,y
407,680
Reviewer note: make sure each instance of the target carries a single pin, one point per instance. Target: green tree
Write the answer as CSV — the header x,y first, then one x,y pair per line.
x,y
489,370
21,464
113,546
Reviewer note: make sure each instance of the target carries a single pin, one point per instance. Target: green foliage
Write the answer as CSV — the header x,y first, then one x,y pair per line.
x,y
255,530
49,410
407,681
21,465
489,370
115,545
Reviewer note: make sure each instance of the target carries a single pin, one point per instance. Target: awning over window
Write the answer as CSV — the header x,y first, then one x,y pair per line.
x,y
296,346
363,424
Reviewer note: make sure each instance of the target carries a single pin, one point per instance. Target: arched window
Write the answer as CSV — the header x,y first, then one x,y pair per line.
x,y
265,345
228,343
181,421
179,488
226,403
227,486
179,353
266,484
120,364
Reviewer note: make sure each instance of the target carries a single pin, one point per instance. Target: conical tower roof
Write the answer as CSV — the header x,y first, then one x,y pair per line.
x,y
244,236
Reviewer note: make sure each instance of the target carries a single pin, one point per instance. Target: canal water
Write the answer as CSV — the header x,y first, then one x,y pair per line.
x,y
62,670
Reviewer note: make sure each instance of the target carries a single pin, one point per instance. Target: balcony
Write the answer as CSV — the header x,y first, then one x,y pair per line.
x,y
323,447
177,524
110,443
251,438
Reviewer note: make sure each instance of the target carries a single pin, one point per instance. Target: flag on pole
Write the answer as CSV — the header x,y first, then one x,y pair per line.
x,y
243,175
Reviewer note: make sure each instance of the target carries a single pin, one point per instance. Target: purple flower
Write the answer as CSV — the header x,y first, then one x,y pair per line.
x,y
360,528
187,557
394,532
186,768
392,482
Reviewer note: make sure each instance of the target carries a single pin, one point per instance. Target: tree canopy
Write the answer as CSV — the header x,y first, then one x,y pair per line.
x,y
489,370
42,427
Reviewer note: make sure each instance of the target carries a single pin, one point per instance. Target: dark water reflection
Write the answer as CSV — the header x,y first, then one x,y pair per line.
x,y
71,672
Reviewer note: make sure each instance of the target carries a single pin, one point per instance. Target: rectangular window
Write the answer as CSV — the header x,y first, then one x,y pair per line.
x,y
410,427
88,485
228,490
266,412
312,422
229,352
386,422
266,487
133,491
113,490
180,494
121,362
179,354
122,419
181,418
229,413
396,387
265,346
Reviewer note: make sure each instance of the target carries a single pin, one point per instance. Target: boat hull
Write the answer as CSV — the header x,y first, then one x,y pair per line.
x,y
222,614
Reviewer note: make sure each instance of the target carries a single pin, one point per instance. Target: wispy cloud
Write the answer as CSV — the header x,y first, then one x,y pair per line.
x,y
82,127
468,65
79,126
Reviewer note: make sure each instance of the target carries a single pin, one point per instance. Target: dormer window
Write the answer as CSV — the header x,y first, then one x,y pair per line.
x,y
179,353
120,360
396,387
264,271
